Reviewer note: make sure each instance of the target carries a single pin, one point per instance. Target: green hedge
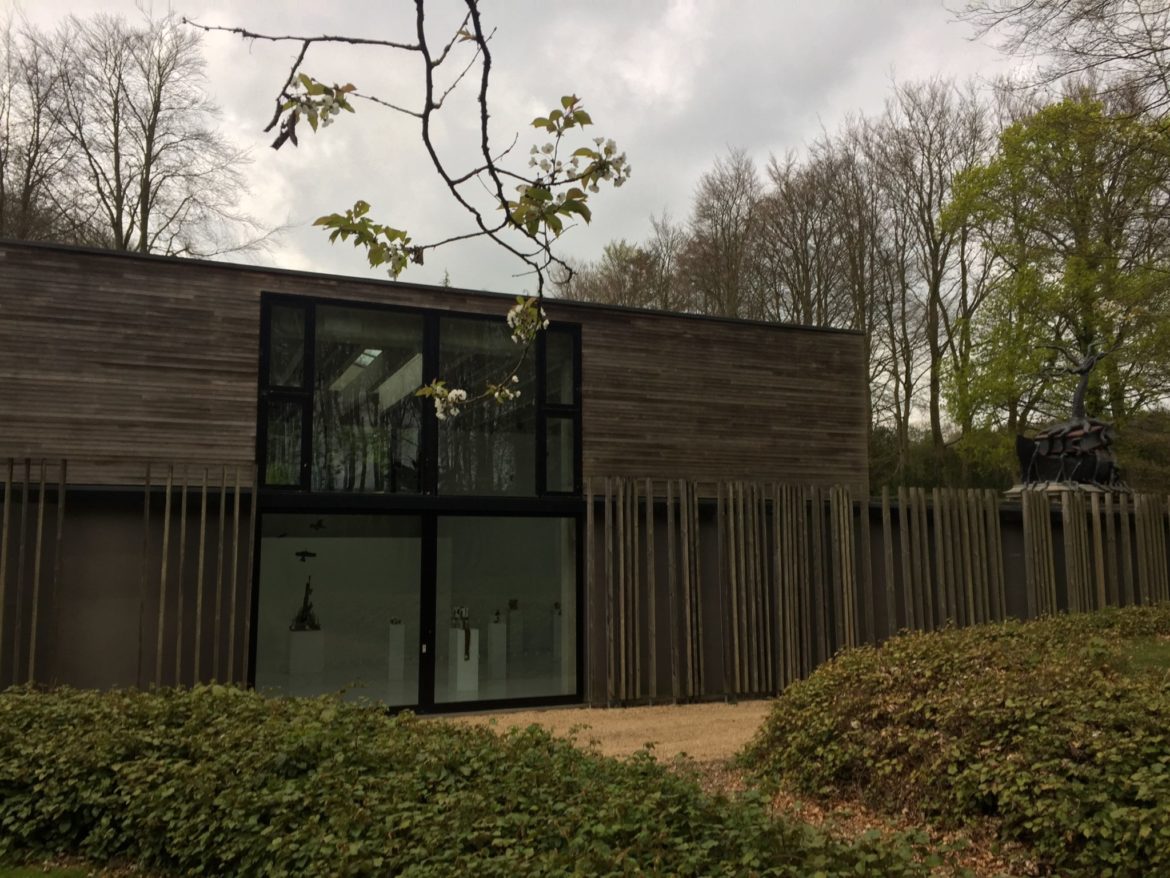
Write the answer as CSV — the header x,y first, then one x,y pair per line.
x,y
217,781
1058,729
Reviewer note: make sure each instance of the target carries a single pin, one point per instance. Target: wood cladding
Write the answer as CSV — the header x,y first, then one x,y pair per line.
x,y
110,359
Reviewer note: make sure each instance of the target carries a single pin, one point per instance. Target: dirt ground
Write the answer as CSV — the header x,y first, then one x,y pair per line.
x,y
705,732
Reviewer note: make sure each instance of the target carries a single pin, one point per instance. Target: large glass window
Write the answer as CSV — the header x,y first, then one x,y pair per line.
x,y
505,601
339,600
366,418
339,411
488,448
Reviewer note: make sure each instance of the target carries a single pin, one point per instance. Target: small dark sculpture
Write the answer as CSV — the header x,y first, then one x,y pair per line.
x,y
1078,450
459,619
306,617
305,555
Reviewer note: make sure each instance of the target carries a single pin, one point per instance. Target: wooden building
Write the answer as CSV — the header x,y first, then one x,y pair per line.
x,y
429,563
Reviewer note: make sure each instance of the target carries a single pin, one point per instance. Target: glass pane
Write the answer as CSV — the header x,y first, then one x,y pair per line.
x,y
488,448
559,448
558,385
283,464
286,344
506,600
339,606
366,418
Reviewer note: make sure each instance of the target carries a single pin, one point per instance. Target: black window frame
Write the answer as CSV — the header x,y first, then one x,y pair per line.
x,y
429,436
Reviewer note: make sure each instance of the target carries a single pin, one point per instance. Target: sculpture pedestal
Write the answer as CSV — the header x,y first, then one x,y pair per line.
x,y
306,653
463,664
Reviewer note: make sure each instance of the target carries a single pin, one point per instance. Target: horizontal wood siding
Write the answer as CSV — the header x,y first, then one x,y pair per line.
x,y
115,359
712,400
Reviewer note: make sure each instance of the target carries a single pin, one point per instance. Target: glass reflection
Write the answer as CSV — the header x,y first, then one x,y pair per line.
x,y
366,418
505,608
339,606
490,448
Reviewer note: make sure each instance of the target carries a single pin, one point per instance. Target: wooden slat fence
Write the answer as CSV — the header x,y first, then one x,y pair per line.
x,y
185,570
739,588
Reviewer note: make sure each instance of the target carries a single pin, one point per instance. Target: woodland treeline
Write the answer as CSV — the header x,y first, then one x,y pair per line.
x,y
108,138
982,241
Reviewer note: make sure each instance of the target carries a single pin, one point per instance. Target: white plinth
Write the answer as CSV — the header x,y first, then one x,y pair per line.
x,y
396,653
515,635
463,664
497,652
306,653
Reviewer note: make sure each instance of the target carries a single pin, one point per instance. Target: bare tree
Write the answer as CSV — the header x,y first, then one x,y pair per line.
x,y
930,132
724,223
150,170
1122,44
34,151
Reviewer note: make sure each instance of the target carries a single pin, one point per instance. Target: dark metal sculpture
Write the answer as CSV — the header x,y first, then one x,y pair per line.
x,y
306,617
1078,450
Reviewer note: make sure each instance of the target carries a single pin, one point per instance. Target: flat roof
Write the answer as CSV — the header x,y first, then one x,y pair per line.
x,y
184,261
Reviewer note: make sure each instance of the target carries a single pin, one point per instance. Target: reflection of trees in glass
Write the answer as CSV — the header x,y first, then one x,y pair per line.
x,y
488,448
284,444
366,419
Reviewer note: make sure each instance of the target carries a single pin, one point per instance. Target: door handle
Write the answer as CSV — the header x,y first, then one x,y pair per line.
x,y
424,649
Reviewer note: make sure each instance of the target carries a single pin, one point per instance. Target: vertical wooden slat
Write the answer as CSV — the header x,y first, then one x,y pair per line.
x,y
685,541
924,575
198,646
590,582
671,592
610,608
233,605
866,570
1141,544
696,590
1112,580
755,642
623,589
907,574
58,549
995,556
145,578
888,553
728,530
38,545
1049,554
917,538
940,559
805,586
966,564
217,618
820,619
635,579
180,593
982,597
162,588
767,592
651,594
837,625
22,536
5,516
1126,553
1029,525
251,586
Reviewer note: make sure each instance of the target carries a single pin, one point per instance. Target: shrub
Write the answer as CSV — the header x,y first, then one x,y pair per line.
x,y
1051,728
218,781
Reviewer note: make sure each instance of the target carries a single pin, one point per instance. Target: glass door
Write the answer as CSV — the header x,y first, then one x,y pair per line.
x,y
339,606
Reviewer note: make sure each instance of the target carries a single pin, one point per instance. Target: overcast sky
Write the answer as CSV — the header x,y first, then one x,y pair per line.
x,y
674,83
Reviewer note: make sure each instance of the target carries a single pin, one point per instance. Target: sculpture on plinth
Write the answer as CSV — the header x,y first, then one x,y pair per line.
x,y
1079,450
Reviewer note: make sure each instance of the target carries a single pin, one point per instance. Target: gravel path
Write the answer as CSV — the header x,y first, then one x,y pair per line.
x,y
705,732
